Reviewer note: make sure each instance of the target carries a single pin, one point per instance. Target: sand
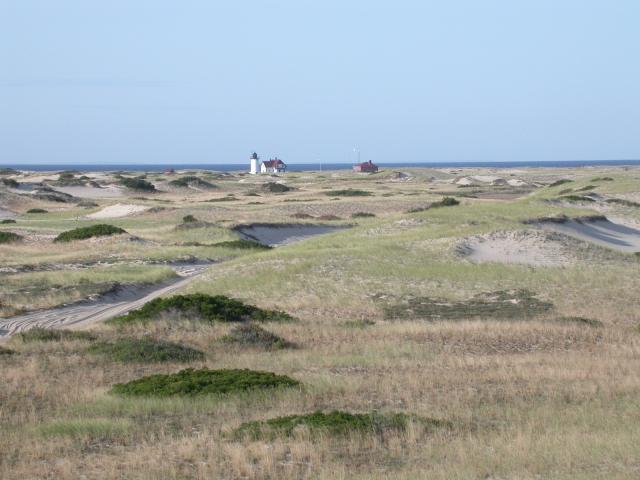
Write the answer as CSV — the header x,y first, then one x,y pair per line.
x,y
600,231
117,210
523,247
91,192
277,235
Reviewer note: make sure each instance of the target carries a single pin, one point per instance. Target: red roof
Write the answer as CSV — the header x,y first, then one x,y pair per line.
x,y
273,163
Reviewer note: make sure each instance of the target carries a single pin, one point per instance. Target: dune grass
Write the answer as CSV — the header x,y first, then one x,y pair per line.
x,y
38,334
134,350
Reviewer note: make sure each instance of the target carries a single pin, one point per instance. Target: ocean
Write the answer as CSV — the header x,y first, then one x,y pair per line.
x,y
310,167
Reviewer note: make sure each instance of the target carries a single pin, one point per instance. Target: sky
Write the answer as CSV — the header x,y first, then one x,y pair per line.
x,y
136,81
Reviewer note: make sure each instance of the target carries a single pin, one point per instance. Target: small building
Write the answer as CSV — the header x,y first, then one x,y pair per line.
x,y
368,167
169,171
253,160
274,165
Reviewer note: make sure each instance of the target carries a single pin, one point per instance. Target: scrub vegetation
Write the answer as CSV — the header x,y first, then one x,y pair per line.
x,y
376,351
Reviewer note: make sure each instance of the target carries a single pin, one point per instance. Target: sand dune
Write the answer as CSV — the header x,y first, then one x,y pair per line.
x,y
117,210
598,230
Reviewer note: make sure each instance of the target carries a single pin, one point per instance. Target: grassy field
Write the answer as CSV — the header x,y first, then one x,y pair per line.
x,y
500,371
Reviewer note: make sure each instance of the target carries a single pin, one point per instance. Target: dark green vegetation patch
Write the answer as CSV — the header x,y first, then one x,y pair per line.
x,y
252,335
242,244
504,304
577,198
602,179
100,230
349,192
333,423
145,351
10,182
362,215
37,210
210,308
274,187
8,171
189,219
623,202
9,237
39,334
589,322
560,182
229,198
138,183
191,181
190,382
7,220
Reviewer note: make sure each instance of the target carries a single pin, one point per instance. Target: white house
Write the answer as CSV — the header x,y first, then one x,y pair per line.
x,y
274,165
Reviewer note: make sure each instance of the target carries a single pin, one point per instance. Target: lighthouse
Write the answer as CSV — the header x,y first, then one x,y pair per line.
x,y
254,163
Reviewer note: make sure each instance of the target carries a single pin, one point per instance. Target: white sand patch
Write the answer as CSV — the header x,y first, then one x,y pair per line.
x,y
516,182
91,192
600,231
486,178
465,181
118,210
524,247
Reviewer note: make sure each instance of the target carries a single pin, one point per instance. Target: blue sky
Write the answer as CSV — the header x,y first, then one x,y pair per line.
x,y
134,81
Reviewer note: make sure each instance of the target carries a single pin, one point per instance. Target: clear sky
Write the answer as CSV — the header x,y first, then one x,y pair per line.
x,y
210,81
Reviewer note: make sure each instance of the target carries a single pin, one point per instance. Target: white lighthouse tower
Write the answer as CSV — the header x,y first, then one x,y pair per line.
x,y
254,163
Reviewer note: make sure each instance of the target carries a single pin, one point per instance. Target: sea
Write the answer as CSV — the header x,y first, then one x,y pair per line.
x,y
309,167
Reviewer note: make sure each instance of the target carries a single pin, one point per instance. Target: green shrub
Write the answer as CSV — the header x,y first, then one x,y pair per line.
x,y
274,187
37,210
39,334
333,423
243,245
252,335
189,219
191,181
10,182
623,202
602,179
362,215
581,321
7,220
100,230
216,308
137,183
190,382
349,192
560,182
9,237
577,198
586,188
141,350
445,202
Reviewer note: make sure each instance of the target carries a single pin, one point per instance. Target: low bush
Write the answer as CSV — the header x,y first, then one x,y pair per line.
x,y
602,179
191,181
581,321
586,188
82,233
252,335
210,308
138,183
274,187
362,215
333,423
228,198
445,202
577,198
145,351
242,244
349,192
9,237
560,182
190,382
87,204
10,182
39,334
623,202
6,351
189,219
37,210
7,220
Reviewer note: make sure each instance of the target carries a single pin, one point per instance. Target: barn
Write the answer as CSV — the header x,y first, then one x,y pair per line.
x,y
368,167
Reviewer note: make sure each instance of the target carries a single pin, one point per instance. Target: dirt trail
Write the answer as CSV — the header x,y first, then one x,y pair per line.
x,y
89,311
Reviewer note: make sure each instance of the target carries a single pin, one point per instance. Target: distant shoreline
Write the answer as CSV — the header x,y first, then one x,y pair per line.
x,y
310,167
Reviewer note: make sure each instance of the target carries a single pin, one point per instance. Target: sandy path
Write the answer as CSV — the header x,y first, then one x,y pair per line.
x,y
87,312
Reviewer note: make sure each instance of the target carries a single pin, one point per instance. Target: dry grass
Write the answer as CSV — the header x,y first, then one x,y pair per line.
x,y
527,398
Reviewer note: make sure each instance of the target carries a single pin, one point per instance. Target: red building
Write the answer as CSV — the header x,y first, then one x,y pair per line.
x,y
369,167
